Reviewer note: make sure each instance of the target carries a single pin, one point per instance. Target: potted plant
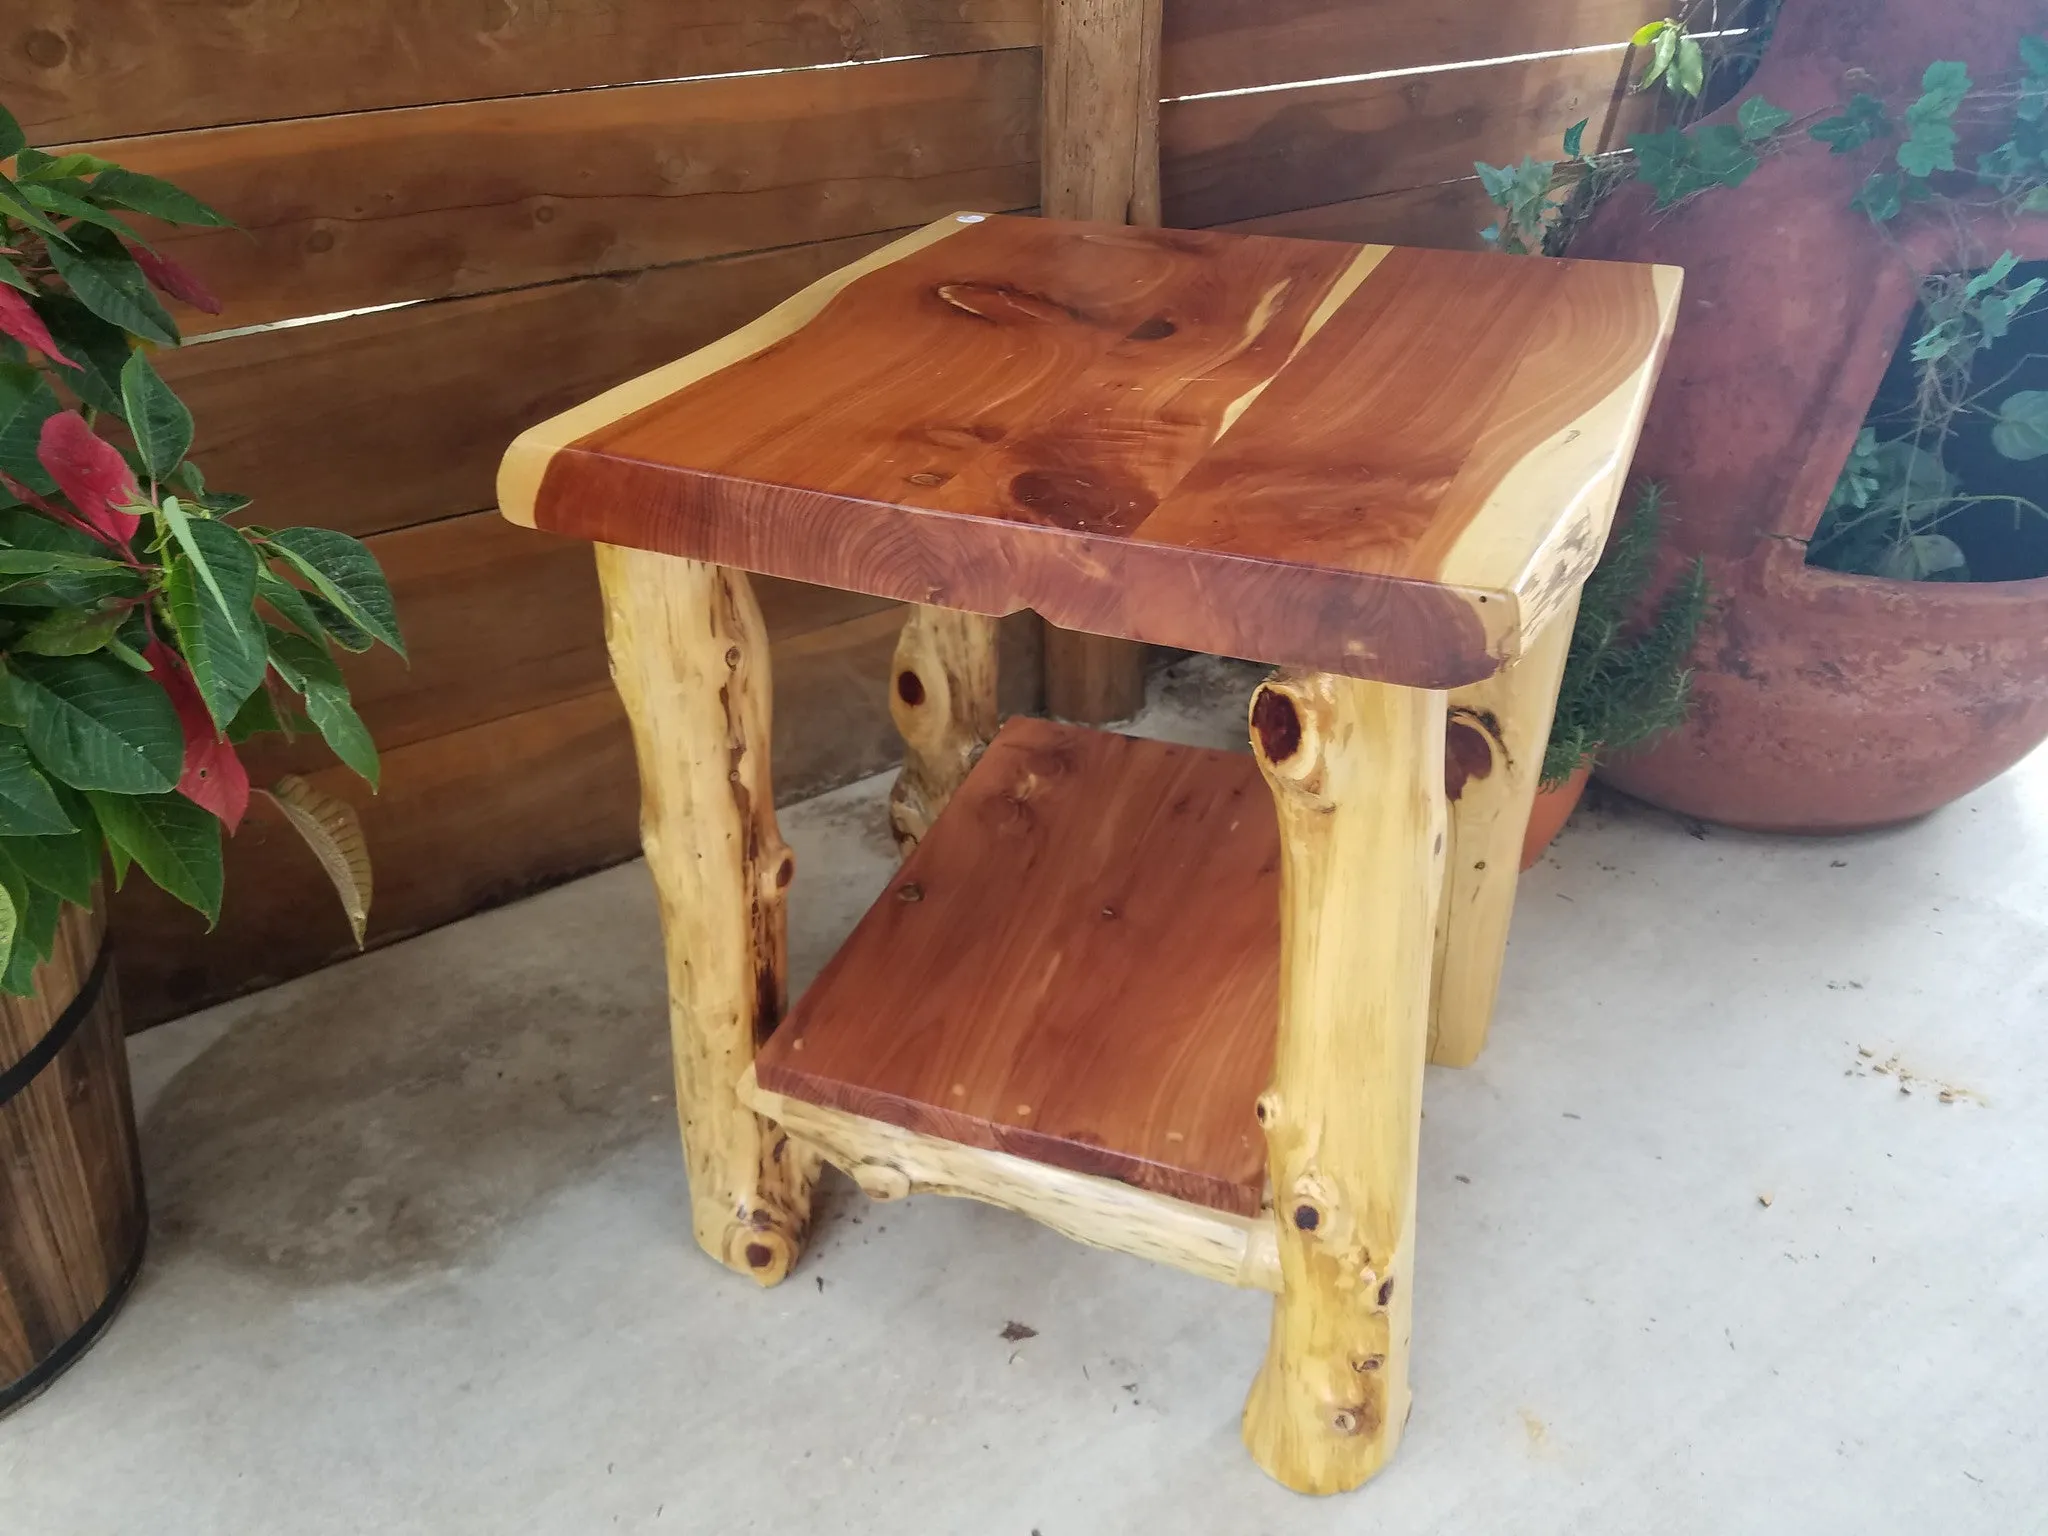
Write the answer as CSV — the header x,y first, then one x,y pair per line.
x,y
1870,515
1625,683
146,628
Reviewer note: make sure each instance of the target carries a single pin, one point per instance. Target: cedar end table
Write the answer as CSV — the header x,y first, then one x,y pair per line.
x,y
1122,987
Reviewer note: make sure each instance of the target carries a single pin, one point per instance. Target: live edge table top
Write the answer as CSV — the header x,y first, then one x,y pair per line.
x,y
1385,462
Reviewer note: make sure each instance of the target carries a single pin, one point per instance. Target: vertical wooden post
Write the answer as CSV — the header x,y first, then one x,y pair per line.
x,y
1493,758
689,655
942,696
1356,770
1099,159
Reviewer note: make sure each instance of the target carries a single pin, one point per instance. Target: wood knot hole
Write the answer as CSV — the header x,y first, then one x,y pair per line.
x,y
1307,1218
909,688
910,892
785,872
760,1255
1276,724
1158,328
1386,1290
732,656
1365,1365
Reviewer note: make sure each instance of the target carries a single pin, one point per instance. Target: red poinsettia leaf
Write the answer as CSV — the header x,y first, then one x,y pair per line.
x,y
174,279
214,778
26,326
91,472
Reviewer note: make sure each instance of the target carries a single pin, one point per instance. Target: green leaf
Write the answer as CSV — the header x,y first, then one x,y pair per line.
x,y
1924,557
1689,71
66,205
40,562
158,418
1646,34
26,402
59,167
302,663
1720,157
1880,197
12,140
159,199
257,717
180,524
176,843
64,865
71,632
2021,430
1863,119
343,571
210,589
337,721
100,350
13,204
11,275
97,725
1663,50
36,911
28,806
1574,138
1930,149
291,604
2034,53
1944,83
9,922
1757,119
106,281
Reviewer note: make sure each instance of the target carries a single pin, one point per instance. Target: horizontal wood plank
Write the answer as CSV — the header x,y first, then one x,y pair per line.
x,y
339,213
1240,157
1223,45
390,419
1447,216
75,69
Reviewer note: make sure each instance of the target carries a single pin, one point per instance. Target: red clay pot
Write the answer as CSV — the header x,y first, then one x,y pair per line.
x,y
1553,808
1824,702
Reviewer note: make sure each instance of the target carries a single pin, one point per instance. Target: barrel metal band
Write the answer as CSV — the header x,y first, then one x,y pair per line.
x,y
30,1067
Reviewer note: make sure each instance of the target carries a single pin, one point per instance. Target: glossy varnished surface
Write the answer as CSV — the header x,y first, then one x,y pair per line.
x,y
1078,965
1384,462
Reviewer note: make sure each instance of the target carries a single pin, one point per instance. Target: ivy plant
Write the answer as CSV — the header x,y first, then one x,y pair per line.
x,y
147,626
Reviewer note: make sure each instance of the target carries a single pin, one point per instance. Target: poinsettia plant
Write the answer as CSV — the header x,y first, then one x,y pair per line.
x,y
146,628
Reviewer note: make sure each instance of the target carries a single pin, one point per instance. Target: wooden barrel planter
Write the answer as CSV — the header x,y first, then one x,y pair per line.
x,y
72,1217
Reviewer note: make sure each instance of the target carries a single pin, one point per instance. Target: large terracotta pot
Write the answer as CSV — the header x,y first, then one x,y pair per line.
x,y
1824,701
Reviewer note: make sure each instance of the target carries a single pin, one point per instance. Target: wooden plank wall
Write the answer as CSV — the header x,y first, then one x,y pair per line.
x,y
558,203
1360,119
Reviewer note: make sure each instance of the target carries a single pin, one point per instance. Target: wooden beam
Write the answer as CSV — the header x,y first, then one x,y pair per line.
x,y
1099,159
889,1162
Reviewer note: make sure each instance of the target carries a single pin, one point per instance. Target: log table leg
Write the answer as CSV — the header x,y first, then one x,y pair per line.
x,y
942,695
1356,770
689,655
1493,757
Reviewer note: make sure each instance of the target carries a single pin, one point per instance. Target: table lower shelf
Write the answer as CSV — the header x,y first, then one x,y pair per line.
x,y
1078,966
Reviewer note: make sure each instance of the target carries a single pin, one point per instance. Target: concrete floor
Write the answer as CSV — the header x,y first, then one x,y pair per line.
x,y
1741,1225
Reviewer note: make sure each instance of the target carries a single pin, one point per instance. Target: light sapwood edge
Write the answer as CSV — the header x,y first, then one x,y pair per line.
x,y
1578,471
1510,713
525,463
889,1163
690,659
942,696
1356,771
1347,283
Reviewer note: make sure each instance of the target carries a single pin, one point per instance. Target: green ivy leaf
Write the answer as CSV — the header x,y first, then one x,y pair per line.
x,y
1575,138
158,418
176,843
28,806
210,589
124,188
1880,197
96,725
1931,148
1864,118
1719,156
106,281
2021,429
1689,70
345,573
1757,119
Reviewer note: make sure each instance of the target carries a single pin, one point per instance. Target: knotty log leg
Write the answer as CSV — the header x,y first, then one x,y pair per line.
x,y
1493,757
690,657
942,695
1356,770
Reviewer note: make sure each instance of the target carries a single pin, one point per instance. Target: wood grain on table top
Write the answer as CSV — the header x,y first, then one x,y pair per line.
x,y
1385,462
1079,964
